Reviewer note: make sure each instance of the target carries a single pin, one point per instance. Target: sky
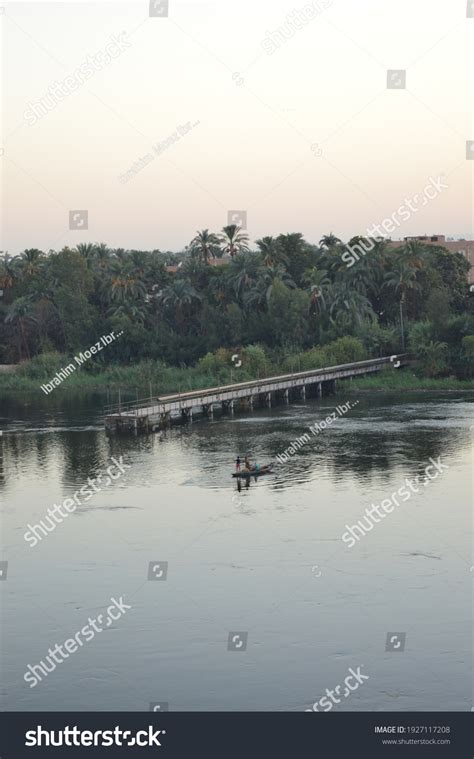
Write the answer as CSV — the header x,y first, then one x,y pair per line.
x,y
160,125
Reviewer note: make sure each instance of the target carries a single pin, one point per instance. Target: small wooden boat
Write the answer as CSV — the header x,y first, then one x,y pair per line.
x,y
266,469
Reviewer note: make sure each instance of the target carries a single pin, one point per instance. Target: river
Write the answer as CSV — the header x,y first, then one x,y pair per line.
x,y
255,601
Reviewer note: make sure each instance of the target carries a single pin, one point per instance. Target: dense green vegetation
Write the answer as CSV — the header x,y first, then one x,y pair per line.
x,y
405,379
287,305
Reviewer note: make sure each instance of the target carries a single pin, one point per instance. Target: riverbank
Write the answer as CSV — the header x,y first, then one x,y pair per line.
x,y
405,379
142,377
159,379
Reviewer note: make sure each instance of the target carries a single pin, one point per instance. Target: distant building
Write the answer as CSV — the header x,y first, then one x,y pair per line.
x,y
465,247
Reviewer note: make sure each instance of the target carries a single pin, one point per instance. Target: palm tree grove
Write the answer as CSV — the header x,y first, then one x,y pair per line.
x,y
286,304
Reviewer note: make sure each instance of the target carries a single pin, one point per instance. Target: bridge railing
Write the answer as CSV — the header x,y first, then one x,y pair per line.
x,y
132,407
126,407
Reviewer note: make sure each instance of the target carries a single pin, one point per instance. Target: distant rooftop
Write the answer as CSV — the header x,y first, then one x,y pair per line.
x,y
427,238
435,238
465,247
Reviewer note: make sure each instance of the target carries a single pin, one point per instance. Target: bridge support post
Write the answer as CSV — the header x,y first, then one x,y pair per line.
x,y
164,420
187,413
303,392
228,406
208,410
286,395
319,389
251,402
269,400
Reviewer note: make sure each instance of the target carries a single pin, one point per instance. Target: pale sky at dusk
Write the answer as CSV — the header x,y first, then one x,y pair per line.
x,y
307,138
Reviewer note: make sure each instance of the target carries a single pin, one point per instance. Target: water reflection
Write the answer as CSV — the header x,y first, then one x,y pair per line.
x,y
381,434
240,556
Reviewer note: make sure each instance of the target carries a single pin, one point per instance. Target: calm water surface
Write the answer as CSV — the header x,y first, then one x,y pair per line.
x,y
268,560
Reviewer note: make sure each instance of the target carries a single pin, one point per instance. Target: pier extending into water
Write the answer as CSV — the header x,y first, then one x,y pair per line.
x,y
149,414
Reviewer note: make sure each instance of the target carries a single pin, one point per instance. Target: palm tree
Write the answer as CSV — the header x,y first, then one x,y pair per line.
x,y
86,249
179,296
205,245
219,285
20,313
414,253
102,247
401,279
242,272
8,269
97,255
267,276
120,254
233,241
298,253
292,243
139,260
194,269
271,251
348,307
30,262
368,277
125,282
329,241
133,311
102,259
318,286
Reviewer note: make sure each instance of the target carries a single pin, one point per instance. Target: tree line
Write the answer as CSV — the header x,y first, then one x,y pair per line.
x,y
285,295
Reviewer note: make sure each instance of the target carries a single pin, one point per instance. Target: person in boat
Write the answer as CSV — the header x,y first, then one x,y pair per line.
x,y
256,468
237,464
247,464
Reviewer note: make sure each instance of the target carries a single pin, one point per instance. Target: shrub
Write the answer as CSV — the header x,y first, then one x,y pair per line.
x,y
315,358
419,334
433,358
467,357
345,350
468,346
44,366
212,363
378,340
254,361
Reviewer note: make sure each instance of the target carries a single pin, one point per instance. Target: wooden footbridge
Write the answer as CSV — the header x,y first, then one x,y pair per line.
x,y
149,414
